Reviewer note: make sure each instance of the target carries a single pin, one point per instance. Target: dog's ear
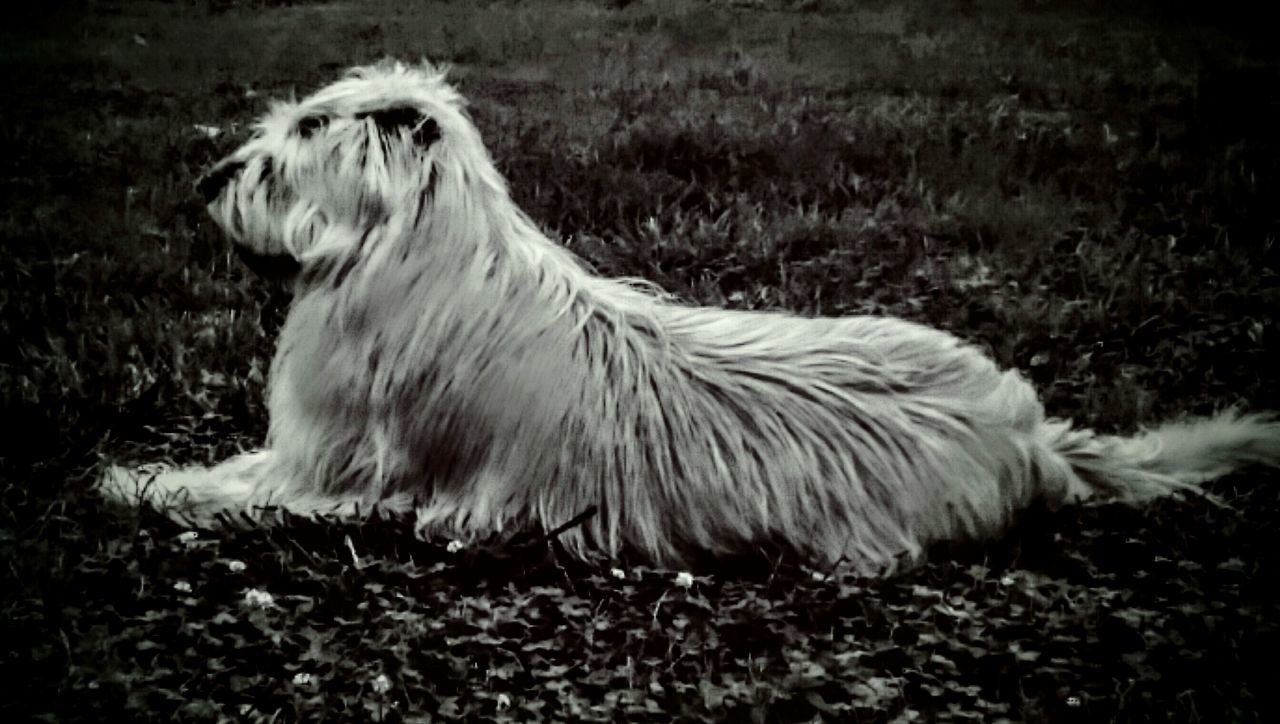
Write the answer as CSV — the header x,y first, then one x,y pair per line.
x,y
390,120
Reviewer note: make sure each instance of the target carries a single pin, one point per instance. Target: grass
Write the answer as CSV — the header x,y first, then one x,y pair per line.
x,y
1088,193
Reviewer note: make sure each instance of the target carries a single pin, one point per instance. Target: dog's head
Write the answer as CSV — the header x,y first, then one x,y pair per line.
x,y
323,175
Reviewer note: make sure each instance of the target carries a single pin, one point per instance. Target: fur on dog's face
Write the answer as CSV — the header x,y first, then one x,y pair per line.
x,y
357,155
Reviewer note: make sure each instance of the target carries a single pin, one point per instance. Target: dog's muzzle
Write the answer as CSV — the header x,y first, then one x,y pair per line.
x,y
269,266
210,185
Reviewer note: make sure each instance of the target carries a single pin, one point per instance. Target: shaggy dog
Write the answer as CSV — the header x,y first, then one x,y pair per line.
x,y
442,355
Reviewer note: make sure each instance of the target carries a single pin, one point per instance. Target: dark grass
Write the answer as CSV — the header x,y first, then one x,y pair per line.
x,y
1088,193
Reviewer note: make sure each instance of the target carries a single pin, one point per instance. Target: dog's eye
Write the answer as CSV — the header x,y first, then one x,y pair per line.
x,y
309,125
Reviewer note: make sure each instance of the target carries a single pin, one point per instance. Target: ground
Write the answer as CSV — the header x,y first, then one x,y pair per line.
x,y
1086,191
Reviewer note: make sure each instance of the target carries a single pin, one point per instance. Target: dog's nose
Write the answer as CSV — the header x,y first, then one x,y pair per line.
x,y
212,183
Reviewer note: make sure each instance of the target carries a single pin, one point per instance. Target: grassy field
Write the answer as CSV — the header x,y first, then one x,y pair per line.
x,y
1089,194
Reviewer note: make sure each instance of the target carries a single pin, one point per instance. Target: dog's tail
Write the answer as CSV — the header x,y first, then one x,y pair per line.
x,y
1173,457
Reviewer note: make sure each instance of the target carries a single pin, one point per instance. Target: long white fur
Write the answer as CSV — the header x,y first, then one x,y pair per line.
x,y
442,353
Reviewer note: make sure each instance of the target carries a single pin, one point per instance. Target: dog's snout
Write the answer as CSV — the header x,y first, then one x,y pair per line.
x,y
211,184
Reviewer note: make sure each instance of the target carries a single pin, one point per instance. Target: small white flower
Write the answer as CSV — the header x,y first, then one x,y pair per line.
x,y
302,678
189,537
207,131
684,579
182,586
1073,701
258,598
504,702
818,576
454,546
381,684
617,573
235,566
1007,581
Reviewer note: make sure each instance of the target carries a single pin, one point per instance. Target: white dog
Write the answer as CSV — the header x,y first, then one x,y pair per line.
x,y
443,355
